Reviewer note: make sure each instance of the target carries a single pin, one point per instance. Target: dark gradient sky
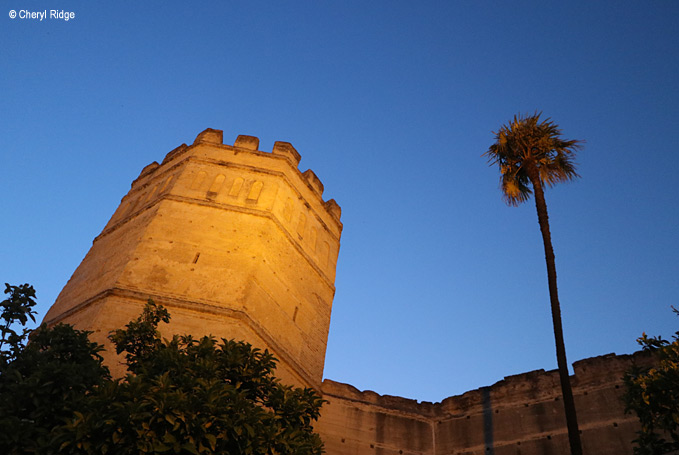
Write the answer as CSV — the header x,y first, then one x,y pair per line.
x,y
441,288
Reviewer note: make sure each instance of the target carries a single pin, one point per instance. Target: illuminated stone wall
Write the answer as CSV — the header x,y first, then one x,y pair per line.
x,y
520,415
235,242
238,243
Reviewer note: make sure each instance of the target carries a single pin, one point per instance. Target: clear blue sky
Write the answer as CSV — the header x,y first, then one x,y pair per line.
x,y
441,288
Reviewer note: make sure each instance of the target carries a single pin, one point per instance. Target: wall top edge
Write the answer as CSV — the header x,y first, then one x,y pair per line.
x,y
250,144
347,391
530,386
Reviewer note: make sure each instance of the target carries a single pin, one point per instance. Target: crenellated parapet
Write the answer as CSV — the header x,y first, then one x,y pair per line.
x,y
223,230
240,180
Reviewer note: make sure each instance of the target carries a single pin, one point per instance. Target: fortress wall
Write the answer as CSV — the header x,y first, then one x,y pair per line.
x,y
524,414
98,272
365,423
236,242
521,414
113,249
239,243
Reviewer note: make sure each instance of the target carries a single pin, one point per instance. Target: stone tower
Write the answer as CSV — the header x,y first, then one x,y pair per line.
x,y
235,242
239,243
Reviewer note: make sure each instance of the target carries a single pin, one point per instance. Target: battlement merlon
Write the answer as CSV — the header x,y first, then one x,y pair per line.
x,y
282,151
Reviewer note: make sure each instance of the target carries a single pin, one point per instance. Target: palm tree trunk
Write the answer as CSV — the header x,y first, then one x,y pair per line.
x,y
568,402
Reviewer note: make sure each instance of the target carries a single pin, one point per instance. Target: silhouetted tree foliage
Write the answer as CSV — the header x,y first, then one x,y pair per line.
x,y
181,396
18,307
653,395
44,382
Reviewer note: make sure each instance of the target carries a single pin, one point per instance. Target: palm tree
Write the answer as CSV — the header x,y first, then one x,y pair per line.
x,y
531,153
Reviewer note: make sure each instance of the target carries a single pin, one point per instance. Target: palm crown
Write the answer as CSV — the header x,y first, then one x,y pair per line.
x,y
528,149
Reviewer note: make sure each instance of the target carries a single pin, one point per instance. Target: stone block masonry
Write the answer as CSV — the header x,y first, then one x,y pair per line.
x,y
236,242
239,243
520,415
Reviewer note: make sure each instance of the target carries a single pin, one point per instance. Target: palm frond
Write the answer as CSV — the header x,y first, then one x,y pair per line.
x,y
559,169
515,189
526,144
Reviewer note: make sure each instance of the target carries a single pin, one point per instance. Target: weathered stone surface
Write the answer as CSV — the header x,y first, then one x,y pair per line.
x,y
522,414
314,181
247,142
210,136
286,149
238,243
235,243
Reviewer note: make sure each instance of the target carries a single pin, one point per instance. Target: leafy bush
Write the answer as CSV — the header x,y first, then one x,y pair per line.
x,y
653,394
181,396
